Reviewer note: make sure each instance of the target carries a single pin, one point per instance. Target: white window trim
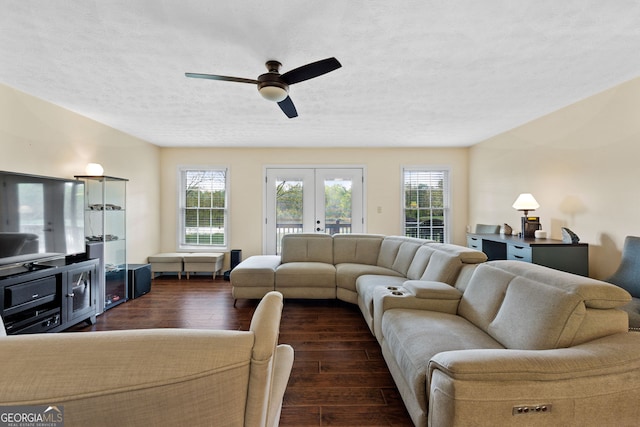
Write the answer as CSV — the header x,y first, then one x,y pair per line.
x,y
447,195
181,205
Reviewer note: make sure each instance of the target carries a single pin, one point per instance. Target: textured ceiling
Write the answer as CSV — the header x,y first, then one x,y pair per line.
x,y
414,73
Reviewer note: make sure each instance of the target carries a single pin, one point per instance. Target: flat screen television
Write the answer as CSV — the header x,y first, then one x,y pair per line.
x,y
41,218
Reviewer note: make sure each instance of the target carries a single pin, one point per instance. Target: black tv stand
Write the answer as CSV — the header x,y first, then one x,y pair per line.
x,y
50,296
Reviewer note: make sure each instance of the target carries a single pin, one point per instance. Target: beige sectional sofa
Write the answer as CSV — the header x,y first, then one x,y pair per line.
x,y
469,342
159,377
321,266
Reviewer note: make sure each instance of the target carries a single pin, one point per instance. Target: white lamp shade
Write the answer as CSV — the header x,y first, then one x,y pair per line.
x,y
526,202
94,169
273,93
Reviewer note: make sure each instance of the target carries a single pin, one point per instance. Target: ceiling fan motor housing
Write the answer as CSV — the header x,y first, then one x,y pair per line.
x,y
270,85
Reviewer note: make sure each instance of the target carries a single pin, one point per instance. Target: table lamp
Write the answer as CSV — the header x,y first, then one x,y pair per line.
x,y
526,202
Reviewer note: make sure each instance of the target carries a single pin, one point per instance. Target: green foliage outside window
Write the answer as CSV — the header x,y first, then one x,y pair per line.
x,y
205,211
425,204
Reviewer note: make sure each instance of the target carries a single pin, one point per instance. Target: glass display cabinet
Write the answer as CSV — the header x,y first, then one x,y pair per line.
x,y
105,221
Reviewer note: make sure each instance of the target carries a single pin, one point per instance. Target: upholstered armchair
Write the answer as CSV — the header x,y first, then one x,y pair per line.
x,y
627,276
153,377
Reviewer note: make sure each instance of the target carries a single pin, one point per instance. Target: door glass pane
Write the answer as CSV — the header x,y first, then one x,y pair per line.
x,y
311,200
289,208
337,205
81,290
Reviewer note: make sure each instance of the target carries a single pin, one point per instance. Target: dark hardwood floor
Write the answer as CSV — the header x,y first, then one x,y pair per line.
x,y
339,377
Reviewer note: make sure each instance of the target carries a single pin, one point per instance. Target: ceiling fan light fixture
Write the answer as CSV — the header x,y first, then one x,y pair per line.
x,y
273,93
274,86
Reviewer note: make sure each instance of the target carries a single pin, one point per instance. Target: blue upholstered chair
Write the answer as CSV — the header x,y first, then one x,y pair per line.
x,y
487,229
627,276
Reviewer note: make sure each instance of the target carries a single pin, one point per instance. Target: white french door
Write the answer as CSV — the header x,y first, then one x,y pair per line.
x,y
312,200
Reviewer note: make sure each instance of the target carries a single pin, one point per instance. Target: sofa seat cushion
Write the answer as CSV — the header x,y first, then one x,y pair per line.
x,y
306,274
415,336
366,286
367,283
347,274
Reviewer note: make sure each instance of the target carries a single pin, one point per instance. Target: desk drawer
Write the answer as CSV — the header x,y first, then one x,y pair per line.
x,y
519,253
474,243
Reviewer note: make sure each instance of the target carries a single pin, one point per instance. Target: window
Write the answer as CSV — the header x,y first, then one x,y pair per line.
x,y
203,208
426,203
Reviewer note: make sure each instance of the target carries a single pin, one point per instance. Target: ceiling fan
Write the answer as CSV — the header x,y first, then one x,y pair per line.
x,y
275,86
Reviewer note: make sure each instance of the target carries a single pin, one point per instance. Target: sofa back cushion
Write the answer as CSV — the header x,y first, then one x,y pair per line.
x,y
527,306
442,262
442,267
388,251
356,248
307,247
595,293
420,262
484,294
396,252
406,252
536,316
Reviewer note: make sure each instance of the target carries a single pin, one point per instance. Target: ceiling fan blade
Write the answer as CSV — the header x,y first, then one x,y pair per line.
x,y
224,78
311,70
288,108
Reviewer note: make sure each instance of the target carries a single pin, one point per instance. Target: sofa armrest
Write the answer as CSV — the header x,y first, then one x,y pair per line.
x,y
415,295
611,354
432,290
594,383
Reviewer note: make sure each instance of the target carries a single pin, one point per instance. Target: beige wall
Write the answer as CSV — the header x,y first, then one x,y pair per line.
x,y
582,165
246,166
37,137
579,162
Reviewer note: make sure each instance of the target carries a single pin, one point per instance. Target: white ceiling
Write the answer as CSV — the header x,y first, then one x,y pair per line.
x,y
414,73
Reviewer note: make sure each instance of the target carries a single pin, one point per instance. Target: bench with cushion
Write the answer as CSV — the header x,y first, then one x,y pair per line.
x,y
203,262
183,262
166,263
